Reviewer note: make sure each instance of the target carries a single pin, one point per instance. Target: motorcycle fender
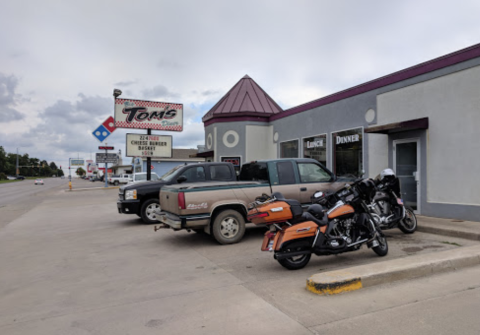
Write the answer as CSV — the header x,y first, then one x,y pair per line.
x,y
296,232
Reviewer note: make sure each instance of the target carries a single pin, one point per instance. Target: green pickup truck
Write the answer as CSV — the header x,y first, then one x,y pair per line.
x,y
221,208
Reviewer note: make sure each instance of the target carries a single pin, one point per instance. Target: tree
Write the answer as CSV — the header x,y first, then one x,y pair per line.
x,y
80,171
3,160
53,166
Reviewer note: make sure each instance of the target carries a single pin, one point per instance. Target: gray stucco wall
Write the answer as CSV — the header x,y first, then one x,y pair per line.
x,y
377,149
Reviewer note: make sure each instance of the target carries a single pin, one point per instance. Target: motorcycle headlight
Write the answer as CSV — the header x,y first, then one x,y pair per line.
x,y
131,195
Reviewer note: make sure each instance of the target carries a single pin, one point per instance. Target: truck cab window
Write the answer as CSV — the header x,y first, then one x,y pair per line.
x,y
220,172
312,173
194,174
254,172
285,173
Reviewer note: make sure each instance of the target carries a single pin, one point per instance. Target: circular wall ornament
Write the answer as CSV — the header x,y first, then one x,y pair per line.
x,y
227,136
275,137
370,115
209,141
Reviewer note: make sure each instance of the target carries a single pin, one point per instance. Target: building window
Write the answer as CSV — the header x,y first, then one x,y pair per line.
x,y
348,153
289,149
316,147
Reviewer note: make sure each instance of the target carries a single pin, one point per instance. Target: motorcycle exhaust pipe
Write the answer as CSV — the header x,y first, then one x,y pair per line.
x,y
281,256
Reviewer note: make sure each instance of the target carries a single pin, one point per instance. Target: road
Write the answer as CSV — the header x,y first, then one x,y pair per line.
x,y
72,265
17,198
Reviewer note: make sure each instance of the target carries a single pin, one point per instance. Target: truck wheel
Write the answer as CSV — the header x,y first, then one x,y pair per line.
x,y
115,183
148,210
228,227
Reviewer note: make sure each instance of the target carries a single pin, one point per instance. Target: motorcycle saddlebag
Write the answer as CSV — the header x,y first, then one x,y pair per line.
x,y
274,212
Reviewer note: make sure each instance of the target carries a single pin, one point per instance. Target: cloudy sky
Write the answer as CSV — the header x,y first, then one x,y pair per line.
x,y
61,60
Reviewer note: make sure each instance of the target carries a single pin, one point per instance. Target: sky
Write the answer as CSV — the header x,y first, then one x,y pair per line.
x,y
60,60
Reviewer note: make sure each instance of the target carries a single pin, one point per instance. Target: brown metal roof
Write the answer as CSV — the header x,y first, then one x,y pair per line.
x,y
246,98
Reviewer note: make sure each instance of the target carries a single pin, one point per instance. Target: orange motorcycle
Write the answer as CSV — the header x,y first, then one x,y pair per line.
x,y
294,235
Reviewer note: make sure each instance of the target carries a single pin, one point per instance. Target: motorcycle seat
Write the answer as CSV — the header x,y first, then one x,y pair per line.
x,y
306,216
292,202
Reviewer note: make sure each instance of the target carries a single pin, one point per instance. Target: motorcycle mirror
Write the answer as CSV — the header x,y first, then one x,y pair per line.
x,y
318,195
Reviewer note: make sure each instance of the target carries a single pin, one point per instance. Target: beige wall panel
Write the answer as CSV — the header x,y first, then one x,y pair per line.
x,y
259,143
452,104
377,154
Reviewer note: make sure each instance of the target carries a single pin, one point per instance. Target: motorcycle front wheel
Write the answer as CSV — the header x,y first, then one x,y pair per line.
x,y
382,248
409,224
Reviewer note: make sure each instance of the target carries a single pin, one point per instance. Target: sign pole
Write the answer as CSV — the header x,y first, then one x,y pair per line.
x,y
105,176
149,160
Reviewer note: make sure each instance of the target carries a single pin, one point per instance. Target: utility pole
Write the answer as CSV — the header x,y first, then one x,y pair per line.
x,y
18,172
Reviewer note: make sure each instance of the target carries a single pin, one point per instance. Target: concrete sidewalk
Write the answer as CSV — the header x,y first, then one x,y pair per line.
x,y
449,227
354,278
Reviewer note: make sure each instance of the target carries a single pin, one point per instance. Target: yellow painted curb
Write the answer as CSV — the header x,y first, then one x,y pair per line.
x,y
334,287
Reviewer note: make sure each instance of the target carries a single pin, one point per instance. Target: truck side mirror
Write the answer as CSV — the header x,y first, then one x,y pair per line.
x,y
181,179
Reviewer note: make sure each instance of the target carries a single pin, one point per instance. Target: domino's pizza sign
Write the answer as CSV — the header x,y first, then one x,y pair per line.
x,y
105,129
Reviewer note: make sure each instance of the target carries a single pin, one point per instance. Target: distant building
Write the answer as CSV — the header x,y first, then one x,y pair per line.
x,y
160,165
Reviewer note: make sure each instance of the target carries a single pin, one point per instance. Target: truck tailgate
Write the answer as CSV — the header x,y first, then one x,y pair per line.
x,y
169,200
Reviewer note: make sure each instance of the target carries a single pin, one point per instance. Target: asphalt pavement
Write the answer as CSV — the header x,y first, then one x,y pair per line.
x,y
72,265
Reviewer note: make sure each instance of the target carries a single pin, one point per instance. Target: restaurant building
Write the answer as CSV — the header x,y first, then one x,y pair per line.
x,y
422,122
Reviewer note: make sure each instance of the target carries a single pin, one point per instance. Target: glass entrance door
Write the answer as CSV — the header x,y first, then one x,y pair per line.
x,y
406,162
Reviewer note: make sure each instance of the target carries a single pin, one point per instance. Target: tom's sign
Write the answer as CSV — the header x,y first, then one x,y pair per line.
x,y
140,114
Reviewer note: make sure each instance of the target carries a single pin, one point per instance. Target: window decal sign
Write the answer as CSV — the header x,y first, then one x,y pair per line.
x,y
141,114
236,161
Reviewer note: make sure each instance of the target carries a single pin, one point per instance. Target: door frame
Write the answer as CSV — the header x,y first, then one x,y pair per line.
x,y
410,140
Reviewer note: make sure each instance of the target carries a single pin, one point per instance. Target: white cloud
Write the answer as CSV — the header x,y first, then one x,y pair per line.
x,y
193,53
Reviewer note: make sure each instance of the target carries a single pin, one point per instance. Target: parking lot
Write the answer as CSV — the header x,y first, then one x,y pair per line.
x,y
73,265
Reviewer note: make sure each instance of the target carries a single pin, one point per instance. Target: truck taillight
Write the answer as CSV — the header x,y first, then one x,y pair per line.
x,y
181,200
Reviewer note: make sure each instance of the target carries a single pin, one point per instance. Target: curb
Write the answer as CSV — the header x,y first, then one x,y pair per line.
x,y
368,275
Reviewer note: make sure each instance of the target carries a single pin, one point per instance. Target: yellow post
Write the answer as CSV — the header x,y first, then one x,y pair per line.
x,y
70,185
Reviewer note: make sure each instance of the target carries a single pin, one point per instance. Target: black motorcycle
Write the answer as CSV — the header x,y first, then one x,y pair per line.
x,y
386,207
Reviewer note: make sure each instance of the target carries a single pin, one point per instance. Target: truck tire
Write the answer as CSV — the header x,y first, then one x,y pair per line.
x,y
228,227
115,183
147,210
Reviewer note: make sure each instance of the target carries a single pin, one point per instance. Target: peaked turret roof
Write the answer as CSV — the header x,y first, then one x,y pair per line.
x,y
246,98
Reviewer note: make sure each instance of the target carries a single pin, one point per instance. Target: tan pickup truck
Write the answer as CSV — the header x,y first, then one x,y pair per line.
x,y
220,208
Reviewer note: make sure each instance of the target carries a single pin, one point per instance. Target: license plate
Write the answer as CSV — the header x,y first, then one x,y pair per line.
x,y
400,201
270,245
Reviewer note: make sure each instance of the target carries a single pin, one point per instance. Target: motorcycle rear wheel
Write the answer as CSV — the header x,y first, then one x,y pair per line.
x,y
297,262
409,224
